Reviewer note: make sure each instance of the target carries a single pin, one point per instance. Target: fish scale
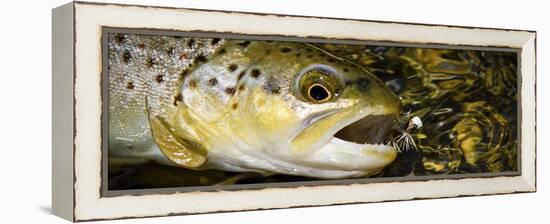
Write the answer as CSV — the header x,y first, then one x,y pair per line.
x,y
145,74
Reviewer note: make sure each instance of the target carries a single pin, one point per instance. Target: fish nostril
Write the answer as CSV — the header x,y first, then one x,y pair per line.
x,y
363,84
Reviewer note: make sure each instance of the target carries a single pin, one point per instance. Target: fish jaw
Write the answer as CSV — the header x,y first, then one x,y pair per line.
x,y
337,159
352,159
356,147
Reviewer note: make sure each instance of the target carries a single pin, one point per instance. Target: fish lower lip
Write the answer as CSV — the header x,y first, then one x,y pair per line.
x,y
372,129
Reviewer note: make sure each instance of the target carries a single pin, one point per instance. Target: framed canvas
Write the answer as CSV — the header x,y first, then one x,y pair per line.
x,y
192,110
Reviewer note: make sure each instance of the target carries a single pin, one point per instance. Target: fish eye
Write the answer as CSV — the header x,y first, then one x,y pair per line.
x,y
319,86
319,93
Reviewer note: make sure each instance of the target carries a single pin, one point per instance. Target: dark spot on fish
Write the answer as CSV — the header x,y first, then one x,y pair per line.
x,y
234,106
363,84
192,83
346,70
269,41
215,41
230,90
126,56
244,44
222,51
272,87
183,73
141,46
309,56
159,78
255,73
119,38
191,43
150,62
286,49
212,81
130,85
177,99
241,87
201,58
232,67
298,55
240,75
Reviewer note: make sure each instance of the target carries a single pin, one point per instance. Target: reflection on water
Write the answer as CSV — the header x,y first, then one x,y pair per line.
x,y
467,101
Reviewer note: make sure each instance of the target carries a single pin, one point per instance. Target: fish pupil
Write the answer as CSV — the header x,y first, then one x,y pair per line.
x,y
318,93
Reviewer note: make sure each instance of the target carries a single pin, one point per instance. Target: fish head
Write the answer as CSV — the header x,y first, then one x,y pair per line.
x,y
311,113
292,109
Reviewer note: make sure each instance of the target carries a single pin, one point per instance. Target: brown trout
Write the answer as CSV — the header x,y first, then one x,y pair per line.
x,y
247,106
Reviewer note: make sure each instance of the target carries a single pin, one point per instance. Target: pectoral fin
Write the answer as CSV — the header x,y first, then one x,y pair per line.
x,y
180,150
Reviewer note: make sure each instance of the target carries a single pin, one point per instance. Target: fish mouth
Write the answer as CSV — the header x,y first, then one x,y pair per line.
x,y
371,129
